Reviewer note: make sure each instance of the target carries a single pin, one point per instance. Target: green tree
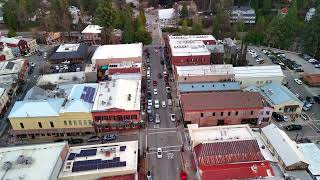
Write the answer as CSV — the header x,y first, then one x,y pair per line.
x,y
143,17
267,5
105,14
261,24
184,13
311,35
10,14
197,27
143,36
184,28
221,25
12,33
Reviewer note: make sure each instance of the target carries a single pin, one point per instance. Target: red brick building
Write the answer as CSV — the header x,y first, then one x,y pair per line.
x,y
123,68
117,105
224,108
13,42
189,50
91,35
312,79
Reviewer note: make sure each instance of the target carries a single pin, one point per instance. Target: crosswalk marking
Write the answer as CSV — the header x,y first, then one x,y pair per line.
x,y
170,155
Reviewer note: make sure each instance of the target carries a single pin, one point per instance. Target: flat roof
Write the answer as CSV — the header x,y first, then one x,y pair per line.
x,y
68,47
221,100
118,94
258,71
311,153
8,40
219,133
125,64
203,87
92,29
45,160
166,13
62,78
206,37
283,145
101,160
133,76
188,48
81,98
69,51
205,70
11,67
118,51
36,108
278,94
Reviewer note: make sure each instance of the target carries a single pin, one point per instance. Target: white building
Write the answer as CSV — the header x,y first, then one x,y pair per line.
x,y
258,75
7,52
310,14
75,14
311,152
31,162
91,162
284,149
167,17
242,14
62,78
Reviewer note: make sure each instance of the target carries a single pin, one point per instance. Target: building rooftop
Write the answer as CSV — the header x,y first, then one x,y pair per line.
x,y
35,93
246,9
205,70
188,48
283,145
117,51
92,29
258,71
37,161
166,13
221,100
216,48
70,51
173,39
128,76
277,94
50,107
8,40
81,98
125,64
62,78
8,81
118,94
311,153
203,87
101,160
11,67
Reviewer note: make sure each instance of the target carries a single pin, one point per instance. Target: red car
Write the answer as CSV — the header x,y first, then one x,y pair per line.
x,y
155,83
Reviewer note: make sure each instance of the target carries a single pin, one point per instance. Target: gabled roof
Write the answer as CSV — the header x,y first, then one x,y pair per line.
x,y
39,108
311,153
283,145
227,152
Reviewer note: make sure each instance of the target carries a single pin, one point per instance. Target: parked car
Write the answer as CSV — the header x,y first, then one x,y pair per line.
x,y
310,100
149,109
94,139
149,176
59,140
159,153
155,83
316,99
169,102
304,117
150,118
109,137
293,127
157,118
156,104
298,81
172,117
305,56
314,61
279,117
159,76
155,91
149,102
75,141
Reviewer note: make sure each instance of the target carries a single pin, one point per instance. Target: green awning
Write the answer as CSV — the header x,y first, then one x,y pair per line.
x,y
105,67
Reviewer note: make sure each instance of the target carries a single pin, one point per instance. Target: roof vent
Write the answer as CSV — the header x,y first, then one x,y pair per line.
x,y
129,97
110,98
108,89
7,165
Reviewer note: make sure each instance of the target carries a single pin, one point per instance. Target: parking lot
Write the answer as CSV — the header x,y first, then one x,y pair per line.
x,y
67,67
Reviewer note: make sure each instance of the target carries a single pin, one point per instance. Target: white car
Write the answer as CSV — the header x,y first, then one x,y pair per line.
x,y
312,60
155,91
159,153
163,104
172,117
285,118
149,102
298,81
156,104
149,110
157,118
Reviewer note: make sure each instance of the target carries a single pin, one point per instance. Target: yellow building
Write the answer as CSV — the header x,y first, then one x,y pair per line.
x,y
55,117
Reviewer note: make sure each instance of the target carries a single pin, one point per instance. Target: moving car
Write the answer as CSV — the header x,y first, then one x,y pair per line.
x,y
149,176
159,76
298,81
149,102
172,117
148,74
155,91
293,127
168,90
156,104
109,137
159,153
149,110
157,118
75,141
169,102
163,104
94,139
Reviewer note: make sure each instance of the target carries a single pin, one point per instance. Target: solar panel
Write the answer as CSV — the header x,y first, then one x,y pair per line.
x,y
71,156
123,148
116,159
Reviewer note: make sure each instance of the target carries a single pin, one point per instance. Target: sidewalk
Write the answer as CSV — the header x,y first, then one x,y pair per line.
x,y
188,164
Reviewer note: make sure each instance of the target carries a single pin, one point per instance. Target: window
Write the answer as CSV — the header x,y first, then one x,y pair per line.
x,y
236,113
89,121
85,122
267,112
40,125
251,113
51,124
75,122
70,123
257,82
21,125
214,114
134,117
80,122
221,114
65,123
229,113
201,114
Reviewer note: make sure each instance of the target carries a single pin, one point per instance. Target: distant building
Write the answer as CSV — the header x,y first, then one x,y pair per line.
x,y
75,14
284,149
167,17
30,162
7,52
229,152
310,151
32,44
242,14
217,53
4,101
117,105
51,38
312,79
311,12
15,43
187,88
91,35
70,53
19,67
225,108
102,161
280,98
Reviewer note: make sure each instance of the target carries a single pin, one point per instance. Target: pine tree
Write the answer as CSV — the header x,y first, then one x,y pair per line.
x,y
105,14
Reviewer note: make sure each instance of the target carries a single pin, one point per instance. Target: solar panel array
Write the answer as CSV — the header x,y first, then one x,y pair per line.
x,y
97,164
87,152
87,94
123,148
71,156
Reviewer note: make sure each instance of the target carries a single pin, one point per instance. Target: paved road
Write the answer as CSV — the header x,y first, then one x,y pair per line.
x,y
164,135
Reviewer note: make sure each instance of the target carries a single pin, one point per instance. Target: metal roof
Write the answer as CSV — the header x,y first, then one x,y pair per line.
x,y
79,53
311,153
203,87
278,94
